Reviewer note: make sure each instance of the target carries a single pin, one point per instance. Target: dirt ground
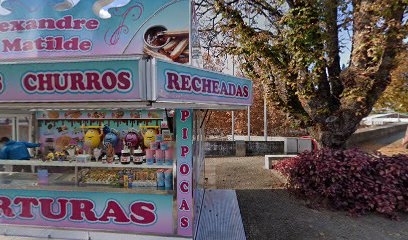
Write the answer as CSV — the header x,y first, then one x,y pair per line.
x,y
270,212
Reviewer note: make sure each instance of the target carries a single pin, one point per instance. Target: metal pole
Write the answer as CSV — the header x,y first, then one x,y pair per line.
x,y
233,126
249,123
233,113
265,119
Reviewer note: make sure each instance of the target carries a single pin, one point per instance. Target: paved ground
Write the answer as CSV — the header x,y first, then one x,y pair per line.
x,y
269,212
274,214
388,146
239,173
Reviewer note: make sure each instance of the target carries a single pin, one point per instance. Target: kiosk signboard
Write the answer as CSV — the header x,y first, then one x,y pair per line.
x,y
113,80
61,28
181,83
123,212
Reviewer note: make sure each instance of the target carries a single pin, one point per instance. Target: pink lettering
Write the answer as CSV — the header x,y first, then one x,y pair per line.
x,y
85,46
184,206
26,205
77,81
184,115
172,81
184,169
5,207
195,84
92,24
64,23
184,187
109,80
184,151
184,222
28,81
83,210
14,46
1,83
246,91
47,209
185,133
114,212
185,83
93,81
143,213
239,91
125,80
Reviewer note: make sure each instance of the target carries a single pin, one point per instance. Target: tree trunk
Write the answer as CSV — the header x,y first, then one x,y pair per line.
x,y
336,130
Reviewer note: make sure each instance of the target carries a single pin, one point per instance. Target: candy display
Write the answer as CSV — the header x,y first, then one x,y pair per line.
x,y
121,177
169,157
83,158
159,157
160,178
168,179
50,157
159,138
60,156
125,156
154,145
117,142
97,153
167,135
138,156
164,146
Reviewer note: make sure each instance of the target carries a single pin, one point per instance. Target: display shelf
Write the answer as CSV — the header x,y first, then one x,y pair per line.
x,y
40,163
86,188
29,181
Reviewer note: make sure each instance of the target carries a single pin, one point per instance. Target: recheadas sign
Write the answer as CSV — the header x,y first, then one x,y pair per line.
x,y
85,210
181,83
114,80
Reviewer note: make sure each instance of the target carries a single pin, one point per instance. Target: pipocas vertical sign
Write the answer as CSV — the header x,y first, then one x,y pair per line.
x,y
184,172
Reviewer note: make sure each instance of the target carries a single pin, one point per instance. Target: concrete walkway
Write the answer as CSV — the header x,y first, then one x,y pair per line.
x,y
270,212
274,214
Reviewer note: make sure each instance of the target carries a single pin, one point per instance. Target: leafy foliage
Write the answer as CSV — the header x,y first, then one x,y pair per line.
x,y
395,97
220,122
293,48
350,180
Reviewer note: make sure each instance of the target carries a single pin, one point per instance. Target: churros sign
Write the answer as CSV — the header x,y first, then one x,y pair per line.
x,y
114,80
